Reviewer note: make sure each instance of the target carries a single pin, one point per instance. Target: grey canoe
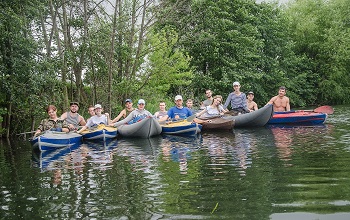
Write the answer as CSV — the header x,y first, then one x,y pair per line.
x,y
145,128
257,118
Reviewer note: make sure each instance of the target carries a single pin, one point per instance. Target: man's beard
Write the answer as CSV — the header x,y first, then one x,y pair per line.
x,y
73,111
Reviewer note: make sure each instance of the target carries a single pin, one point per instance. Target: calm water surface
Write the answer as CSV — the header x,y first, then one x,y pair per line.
x,y
263,173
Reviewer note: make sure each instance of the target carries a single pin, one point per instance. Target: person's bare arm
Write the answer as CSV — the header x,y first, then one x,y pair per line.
x,y
82,121
122,113
288,105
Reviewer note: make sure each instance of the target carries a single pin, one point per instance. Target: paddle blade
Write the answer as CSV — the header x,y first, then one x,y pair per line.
x,y
324,109
191,118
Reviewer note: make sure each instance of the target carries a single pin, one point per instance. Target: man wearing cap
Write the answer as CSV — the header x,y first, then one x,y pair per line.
x,y
237,99
252,106
72,117
178,111
97,119
125,112
136,115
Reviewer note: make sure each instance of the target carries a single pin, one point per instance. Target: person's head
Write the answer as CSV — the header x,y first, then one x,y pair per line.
x,y
208,93
250,95
74,107
162,105
91,110
282,91
236,86
189,103
128,103
217,100
141,104
52,111
98,109
178,101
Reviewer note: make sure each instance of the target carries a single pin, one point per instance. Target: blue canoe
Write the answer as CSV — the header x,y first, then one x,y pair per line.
x,y
298,118
182,128
100,133
51,140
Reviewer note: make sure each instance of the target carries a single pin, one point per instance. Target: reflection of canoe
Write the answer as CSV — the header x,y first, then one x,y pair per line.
x,y
218,124
183,128
51,140
45,158
298,118
145,128
256,118
102,132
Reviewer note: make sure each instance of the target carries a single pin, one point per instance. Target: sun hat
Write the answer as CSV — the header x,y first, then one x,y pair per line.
x,y
98,106
141,101
178,97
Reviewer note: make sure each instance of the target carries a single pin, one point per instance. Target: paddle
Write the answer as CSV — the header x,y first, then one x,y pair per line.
x,y
324,109
191,118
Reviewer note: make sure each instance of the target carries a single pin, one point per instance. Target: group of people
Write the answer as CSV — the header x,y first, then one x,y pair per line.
x,y
212,106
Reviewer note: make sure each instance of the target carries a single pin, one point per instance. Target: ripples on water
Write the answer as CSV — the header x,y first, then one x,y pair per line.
x,y
262,173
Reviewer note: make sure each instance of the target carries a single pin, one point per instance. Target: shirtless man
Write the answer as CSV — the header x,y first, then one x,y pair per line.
x,y
72,117
281,101
252,106
125,112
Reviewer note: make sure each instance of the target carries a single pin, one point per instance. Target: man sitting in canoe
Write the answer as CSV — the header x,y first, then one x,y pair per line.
x,y
252,106
125,112
280,102
178,111
237,99
97,119
53,123
72,117
135,116
162,110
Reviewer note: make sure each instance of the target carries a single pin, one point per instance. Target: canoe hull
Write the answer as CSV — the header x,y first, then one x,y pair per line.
x,y
181,128
51,140
298,118
257,118
145,128
102,133
218,124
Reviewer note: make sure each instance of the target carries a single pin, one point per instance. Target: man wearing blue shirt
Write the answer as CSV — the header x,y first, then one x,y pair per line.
x,y
178,111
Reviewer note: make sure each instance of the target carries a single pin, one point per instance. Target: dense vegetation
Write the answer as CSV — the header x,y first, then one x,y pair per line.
x,y
54,51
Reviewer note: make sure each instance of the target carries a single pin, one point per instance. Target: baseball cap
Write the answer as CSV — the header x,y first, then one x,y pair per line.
x,y
250,92
128,100
236,84
98,106
178,97
74,103
141,101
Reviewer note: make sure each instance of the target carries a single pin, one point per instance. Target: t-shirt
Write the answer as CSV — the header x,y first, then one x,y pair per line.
x,y
161,114
134,116
237,101
212,111
183,112
96,120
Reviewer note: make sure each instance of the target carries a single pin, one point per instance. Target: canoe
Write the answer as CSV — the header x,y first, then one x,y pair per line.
x,y
100,133
145,128
298,118
217,123
183,128
256,118
51,140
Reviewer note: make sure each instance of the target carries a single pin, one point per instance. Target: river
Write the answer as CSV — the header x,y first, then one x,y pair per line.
x,y
262,173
